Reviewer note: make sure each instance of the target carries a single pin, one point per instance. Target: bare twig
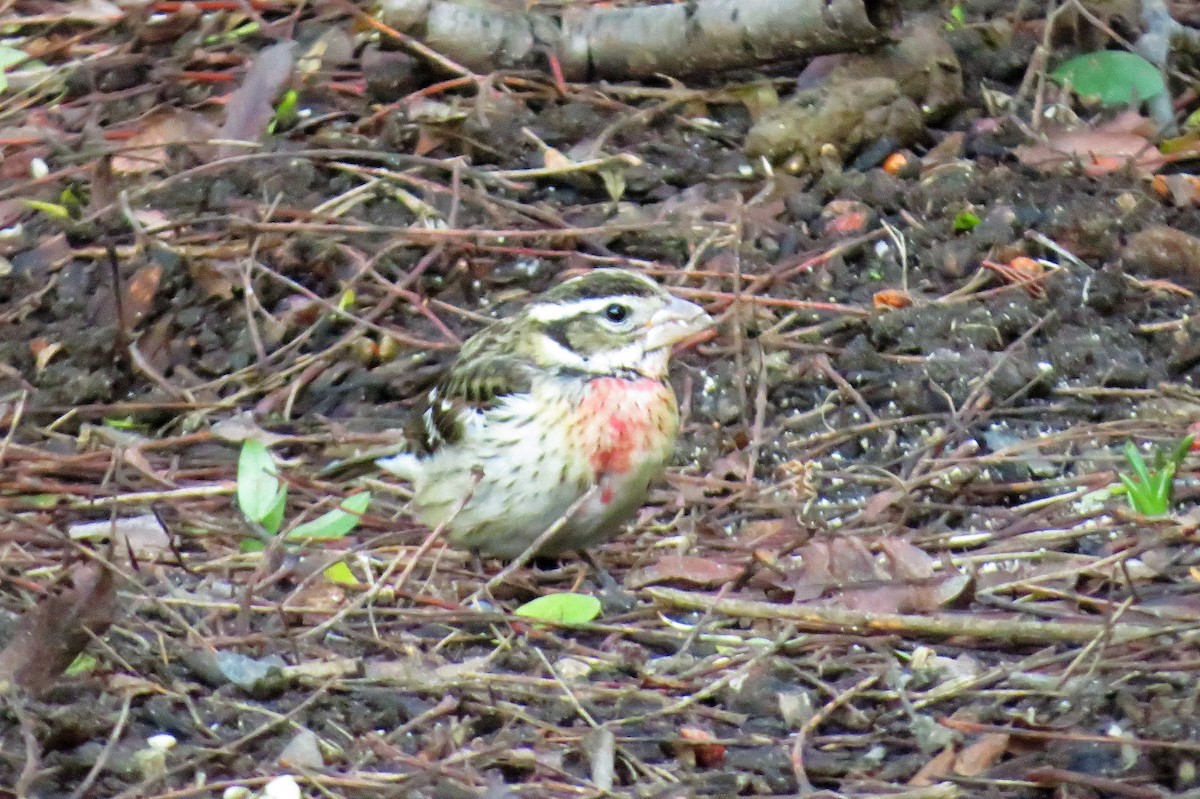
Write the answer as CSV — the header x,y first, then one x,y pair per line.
x,y
942,625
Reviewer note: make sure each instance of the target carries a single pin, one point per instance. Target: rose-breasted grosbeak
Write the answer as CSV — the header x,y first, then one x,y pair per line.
x,y
567,398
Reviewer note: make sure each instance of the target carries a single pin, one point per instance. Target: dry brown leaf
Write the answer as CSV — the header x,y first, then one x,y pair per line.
x,y
686,569
814,577
981,755
43,351
904,581
1099,152
147,151
769,534
1130,121
428,140
249,108
935,768
880,502
216,278
52,633
851,562
908,562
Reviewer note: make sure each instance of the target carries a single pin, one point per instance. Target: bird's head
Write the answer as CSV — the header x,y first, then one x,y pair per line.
x,y
608,321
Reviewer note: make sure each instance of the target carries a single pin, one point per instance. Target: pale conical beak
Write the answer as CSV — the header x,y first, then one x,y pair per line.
x,y
677,320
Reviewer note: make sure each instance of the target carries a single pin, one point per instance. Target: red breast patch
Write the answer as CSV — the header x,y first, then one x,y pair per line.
x,y
622,420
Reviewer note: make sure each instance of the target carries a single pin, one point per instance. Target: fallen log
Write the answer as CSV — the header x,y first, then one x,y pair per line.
x,y
677,39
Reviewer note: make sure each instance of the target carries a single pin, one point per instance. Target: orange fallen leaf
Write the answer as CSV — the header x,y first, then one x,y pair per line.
x,y
1180,190
140,291
896,163
891,298
708,754
1023,271
847,224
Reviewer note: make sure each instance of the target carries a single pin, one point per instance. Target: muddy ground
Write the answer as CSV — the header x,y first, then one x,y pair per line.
x,y
889,555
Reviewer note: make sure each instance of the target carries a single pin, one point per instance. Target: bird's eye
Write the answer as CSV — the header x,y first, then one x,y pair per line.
x,y
616,312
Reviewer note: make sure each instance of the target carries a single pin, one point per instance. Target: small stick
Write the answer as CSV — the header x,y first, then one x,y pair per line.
x,y
377,586
118,289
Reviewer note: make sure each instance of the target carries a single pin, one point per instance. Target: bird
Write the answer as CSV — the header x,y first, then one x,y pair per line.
x,y
559,415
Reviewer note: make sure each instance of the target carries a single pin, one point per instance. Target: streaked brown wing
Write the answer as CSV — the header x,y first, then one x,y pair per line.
x,y
473,383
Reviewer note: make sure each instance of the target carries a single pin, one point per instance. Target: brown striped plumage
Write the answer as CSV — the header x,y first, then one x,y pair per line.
x,y
539,408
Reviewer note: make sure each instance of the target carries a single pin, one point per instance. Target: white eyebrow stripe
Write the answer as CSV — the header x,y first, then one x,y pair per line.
x,y
546,312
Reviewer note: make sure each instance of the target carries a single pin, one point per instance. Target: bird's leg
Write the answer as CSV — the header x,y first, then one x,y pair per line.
x,y
607,581
612,596
477,564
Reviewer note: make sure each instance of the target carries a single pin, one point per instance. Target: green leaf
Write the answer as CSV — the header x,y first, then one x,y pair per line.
x,y
1134,494
241,32
68,199
340,574
336,523
274,518
1115,77
258,485
957,17
52,210
82,664
613,178
10,57
248,545
1181,452
562,608
965,220
285,112
1137,463
1163,488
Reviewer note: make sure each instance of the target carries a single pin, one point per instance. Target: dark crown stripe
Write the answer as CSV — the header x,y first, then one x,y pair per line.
x,y
599,284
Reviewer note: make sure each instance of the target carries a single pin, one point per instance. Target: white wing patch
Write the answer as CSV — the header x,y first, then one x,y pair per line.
x,y
406,466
